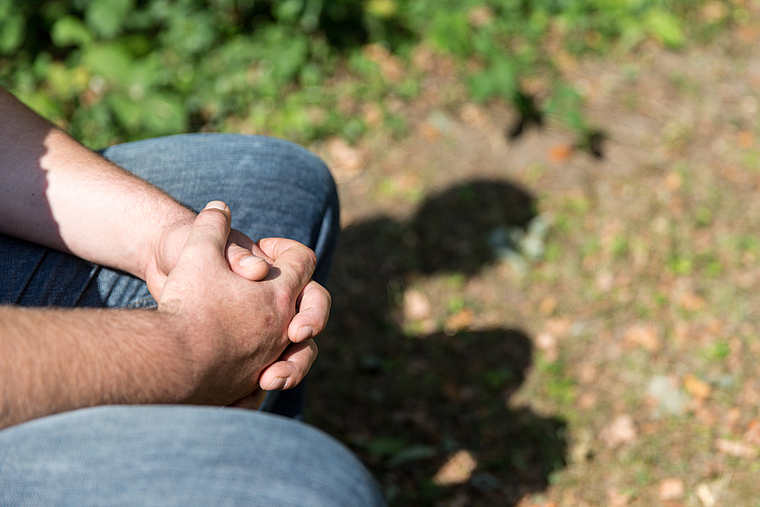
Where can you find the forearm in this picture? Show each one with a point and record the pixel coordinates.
(57, 360)
(56, 192)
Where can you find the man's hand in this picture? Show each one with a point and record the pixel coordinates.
(241, 335)
(243, 256)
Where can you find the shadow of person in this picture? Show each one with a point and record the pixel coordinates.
(411, 406)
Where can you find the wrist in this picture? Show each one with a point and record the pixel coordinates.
(162, 249)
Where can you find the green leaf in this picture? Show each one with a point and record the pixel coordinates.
(70, 31)
(107, 17)
(665, 27)
(498, 79)
(164, 114)
(411, 454)
(191, 33)
(127, 111)
(383, 9)
(288, 10)
(12, 28)
(451, 32)
(111, 61)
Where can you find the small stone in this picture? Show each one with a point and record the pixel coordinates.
(666, 394)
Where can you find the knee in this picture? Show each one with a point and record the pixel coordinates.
(289, 164)
(332, 475)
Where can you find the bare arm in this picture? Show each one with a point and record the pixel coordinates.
(57, 193)
(57, 360)
(197, 347)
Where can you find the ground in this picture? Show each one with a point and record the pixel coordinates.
(519, 321)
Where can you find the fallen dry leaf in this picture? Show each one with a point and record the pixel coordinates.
(345, 160)
(473, 115)
(705, 495)
(390, 65)
(620, 431)
(645, 336)
(416, 305)
(559, 326)
(696, 387)
(460, 320)
(752, 435)
(673, 181)
(736, 448)
(547, 305)
(616, 498)
(692, 302)
(561, 153)
(457, 470)
(372, 114)
(671, 489)
(547, 343)
(746, 139)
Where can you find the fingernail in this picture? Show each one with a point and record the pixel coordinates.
(277, 384)
(216, 205)
(304, 333)
(251, 259)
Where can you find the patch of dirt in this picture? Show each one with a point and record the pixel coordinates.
(617, 366)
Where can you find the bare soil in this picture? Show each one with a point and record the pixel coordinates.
(611, 360)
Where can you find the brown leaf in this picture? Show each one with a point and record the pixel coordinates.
(345, 160)
(696, 387)
(457, 470)
(671, 489)
(691, 302)
(645, 336)
(736, 448)
(620, 431)
(460, 320)
(416, 305)
(390, 65)
(561, 153)
(617, 499)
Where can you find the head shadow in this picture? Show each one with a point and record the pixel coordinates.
(406, 403)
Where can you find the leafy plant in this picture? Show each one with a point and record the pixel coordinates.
(129, 69)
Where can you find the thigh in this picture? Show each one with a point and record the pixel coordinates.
(175, 455)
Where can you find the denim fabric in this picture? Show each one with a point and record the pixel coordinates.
(177, 456)
(207, 456)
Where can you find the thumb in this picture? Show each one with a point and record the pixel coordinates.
(211, 228)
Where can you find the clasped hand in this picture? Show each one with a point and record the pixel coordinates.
(240, 336)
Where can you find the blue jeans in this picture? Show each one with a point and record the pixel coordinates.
(171, 455)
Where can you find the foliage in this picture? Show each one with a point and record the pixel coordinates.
(127, 69)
